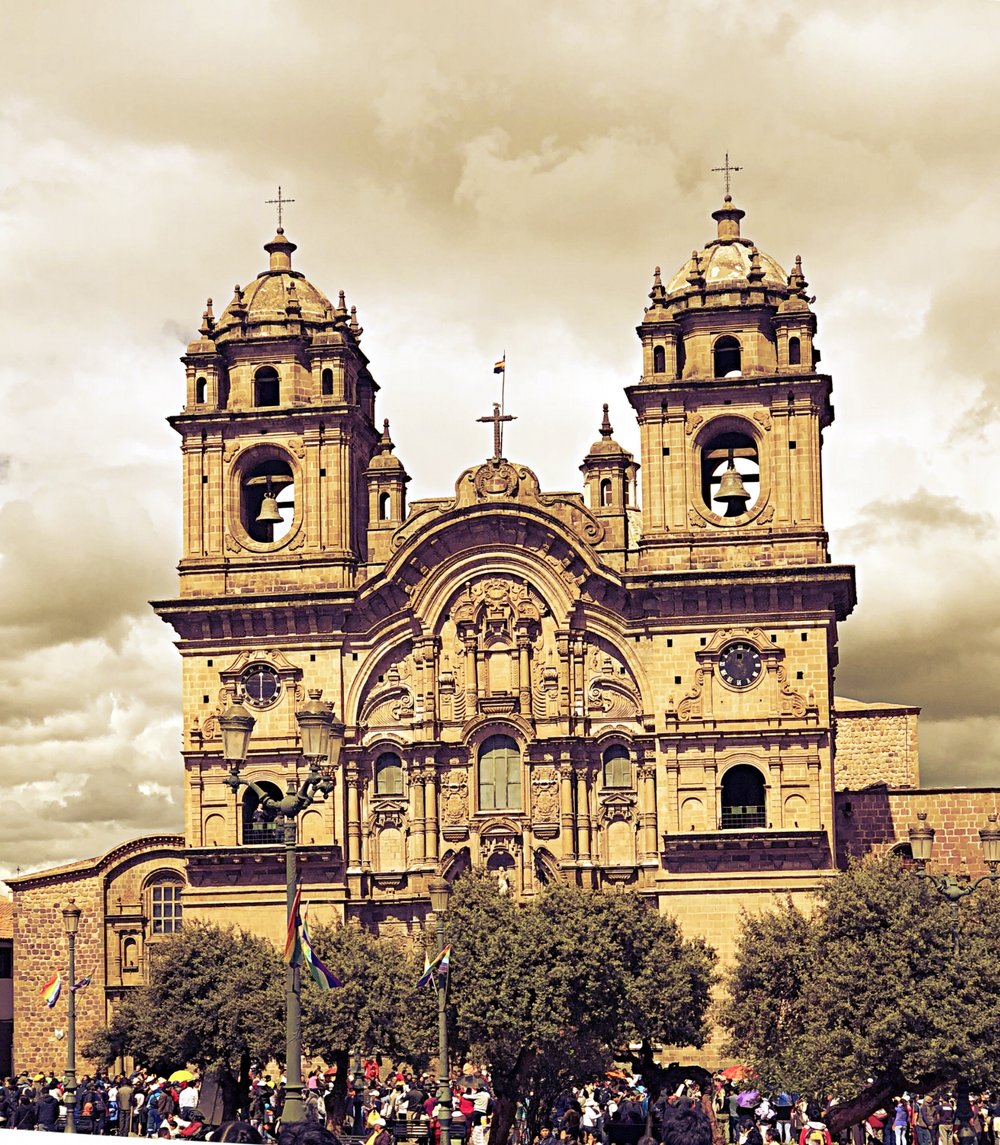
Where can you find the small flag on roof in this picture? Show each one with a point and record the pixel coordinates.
(499, 367)
(439, 965)
(52, 989)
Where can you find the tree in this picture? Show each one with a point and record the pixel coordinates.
(377, 1009)
(215, 998)
(867, 983)
(552, 987)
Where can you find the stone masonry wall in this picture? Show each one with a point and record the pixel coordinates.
(41, 948)
(876, 745)
(877, 818)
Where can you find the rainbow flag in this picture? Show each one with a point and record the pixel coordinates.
(499, 367)
(322, 975)
(52, 989)
(439, 965)
(293, 946)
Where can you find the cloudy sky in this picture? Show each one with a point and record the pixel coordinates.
(478, 178)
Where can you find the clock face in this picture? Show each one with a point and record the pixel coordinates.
(739, 664)
(261, 685)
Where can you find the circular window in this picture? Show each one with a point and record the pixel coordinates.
(260, 685)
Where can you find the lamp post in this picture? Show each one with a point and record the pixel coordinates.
(440, 892)
(322, 740)
(71, 923)
(948, 886)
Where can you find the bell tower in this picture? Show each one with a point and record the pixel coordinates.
(277, 433)
(731, 412)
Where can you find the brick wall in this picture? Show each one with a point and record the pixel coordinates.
(875, 744)
(877, 818)
(40, 946)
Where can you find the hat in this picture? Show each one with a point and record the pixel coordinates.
(379, 1121)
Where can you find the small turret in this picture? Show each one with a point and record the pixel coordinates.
(609, 473)
(387, 481)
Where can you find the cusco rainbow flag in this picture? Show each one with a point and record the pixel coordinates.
(52, 989)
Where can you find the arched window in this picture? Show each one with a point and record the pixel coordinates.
(606, 491)
(499, 775)
(267, 505)
(794, 352)
(266, 387)
(384, 506)
(164, 905)
(728, 357)
(388, 774)
(201, 391)
(743, 800)
(617, 767)
(328, 381)
(258, 831)
(659, 360)
(729, 496)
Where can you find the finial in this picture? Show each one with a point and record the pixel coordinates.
(341, 311)
(385, 441)
(797, 280)
(292, 304)
(355, 327)
(658, 295)
(207, 321)
(238, 306)
(606, 430)
(756, 272)
(695, 277)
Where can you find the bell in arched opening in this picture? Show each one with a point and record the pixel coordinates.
(732, 491)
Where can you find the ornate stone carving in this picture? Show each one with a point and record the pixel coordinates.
(611, 692)
(391, 702)
(791, 703)
(695, 519)
(495, 480)
(617, 805)
(763, 419)
(455, 797)
(690, 708)
(693, 422)
(544, 796)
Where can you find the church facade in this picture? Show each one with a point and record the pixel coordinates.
(606, 688)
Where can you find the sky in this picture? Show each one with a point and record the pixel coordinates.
(478, 179)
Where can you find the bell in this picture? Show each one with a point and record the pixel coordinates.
(732, 489)
(269, 514)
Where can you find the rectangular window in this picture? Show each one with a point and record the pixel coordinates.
(6, 960)
(499, 775)
(166, 908)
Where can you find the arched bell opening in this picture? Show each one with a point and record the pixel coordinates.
(730, 474)
(727, 357)
(266, 387)
(267, 500)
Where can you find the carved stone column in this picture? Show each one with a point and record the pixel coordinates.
(524, 676)
(431, 827)
(647, 812)
(582, 815)
(354, 782)
(471, 677)
(417, 824)
(566, 821)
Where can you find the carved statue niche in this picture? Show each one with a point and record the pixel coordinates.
(545, 801)
(612, 692)
(497, 622)
(455, 804)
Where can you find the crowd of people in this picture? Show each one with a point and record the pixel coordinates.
(381, 1109)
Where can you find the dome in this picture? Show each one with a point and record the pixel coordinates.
(728, 258)
(276, 297)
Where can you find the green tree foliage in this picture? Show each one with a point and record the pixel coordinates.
(215, 998)
(547, 988)
(377, 1010)
(868, 984)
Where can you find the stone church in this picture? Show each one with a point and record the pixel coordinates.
(627, 687)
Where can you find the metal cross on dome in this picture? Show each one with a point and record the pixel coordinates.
(281, 202)
(727, 169)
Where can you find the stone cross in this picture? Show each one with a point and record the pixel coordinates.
(498, 419)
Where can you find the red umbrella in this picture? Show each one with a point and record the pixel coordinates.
(737, 1073)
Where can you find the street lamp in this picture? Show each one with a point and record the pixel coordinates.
(948, 886)
(71, 923)
(440, 891)
(322, 741)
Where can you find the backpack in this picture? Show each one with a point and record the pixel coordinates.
(815, 1136)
